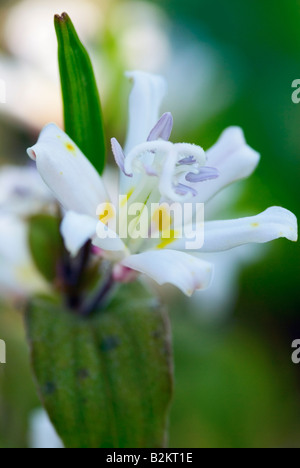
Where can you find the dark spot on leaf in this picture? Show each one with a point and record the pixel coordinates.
(83, 374)
(156, 334)
(49, 388)
(109, 343)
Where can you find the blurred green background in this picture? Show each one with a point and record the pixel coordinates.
(227, 63)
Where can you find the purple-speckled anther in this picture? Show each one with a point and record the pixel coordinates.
(205, 173)
(162, 129)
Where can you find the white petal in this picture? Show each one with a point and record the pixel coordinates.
(234, 160)
(185, 272)
(67, 172)
(76, 230)
(109, 240)
(219, 236)
(144, 105)
(272, 224)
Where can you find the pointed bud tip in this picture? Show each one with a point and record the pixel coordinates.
(61, 18)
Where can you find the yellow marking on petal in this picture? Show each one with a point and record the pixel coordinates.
(70, 147)
(168, 240)
(61, 173)
(107, 213)
(126, 197)
(255, 225)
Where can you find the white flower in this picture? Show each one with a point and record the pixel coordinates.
(22, 194)
(19, 277)
(153, 170)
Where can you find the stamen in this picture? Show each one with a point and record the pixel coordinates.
(186, 150)
(205, 173)
(182, 189)
(162, 129)
(119, 155)
(187, 161)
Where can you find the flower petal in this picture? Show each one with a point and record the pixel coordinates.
(234, 160)
(108, 240)
(145, 101)
(76, 230)
(67, 172)
(219, 236)
(184, 271)
(272, 224)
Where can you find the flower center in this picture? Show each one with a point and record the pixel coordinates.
(173, 165)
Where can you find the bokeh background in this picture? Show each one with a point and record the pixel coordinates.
(227, 63)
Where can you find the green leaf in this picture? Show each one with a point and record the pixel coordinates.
(45, 244)
(105, 381)
(82, 109)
